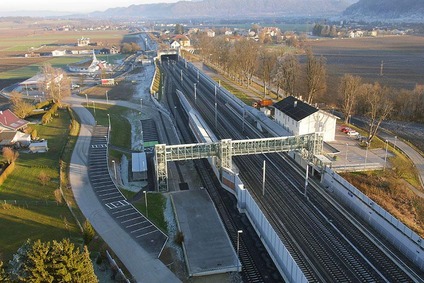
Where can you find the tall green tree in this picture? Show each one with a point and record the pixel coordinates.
(4, 277)
(179, 29)
(57, 262)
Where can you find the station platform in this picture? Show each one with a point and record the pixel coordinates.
(207, 247)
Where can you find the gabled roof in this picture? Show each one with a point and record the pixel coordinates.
(10, 121)
(295, 108)
(181, 37)
(6, 137)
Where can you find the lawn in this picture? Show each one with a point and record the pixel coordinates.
(120, 126)
(155, 205)
(36, 213)
(31, 70)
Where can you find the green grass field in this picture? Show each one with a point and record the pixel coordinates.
(155, 206)
(120, 126)
(31, 70)
(35, 214)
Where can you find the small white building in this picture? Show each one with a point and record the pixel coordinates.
(38, 146)
(175, 44)
(139, 166)
(300, 118)
(57, 53)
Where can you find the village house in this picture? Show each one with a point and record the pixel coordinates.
(183, 40)
(83, 41)
(300, 118)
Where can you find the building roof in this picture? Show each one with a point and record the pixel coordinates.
(10, 121)
(139, 162)
(295, 108)
(181, 37)
(6, 137)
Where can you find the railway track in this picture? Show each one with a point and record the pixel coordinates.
(323, 241)
(249, 263)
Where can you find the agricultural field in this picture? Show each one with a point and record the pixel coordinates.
(402, 58)
(18, 38)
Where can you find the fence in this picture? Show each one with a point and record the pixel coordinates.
(112, 262)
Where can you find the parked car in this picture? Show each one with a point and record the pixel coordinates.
(352, 133)
(345, 129)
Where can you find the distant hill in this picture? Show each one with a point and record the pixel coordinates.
(229, 8)
(387, 10)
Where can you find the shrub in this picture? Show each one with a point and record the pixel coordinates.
(44, 178)
(179, 238)
(89, 232)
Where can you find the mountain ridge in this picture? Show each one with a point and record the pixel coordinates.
(226, 8)
(386, 10)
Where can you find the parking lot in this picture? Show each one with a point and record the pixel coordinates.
(150, 238)
(352, 157)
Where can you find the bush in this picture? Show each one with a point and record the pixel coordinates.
(179, 238)
(43, 104)
(43, 178)
(89, 232)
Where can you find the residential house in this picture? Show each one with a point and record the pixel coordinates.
(83, 41)
(210, 33)
(183, 40)
(175, 45)
(58, 53)
(300, 118)
(9, 121)
(14, 138)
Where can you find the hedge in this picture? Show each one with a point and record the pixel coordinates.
(7, 172)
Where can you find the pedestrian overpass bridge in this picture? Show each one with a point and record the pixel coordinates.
(310, 145)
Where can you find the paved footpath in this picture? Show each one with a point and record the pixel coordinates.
(139, 263)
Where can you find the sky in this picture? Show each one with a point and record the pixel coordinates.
(71, 5)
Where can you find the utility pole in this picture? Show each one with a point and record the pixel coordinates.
(381, 68)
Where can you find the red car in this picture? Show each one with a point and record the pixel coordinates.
(345, 129)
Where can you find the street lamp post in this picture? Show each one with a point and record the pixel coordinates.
(395, 142)
(347, 149)
(107, 98)
(197, 74)
(94, 108)
(109, 127)
(86, 98)
(145, 201)
(306, 177)
(238, 248)
(141, 103)
(385, 156)
(195, 93)
(366, 154)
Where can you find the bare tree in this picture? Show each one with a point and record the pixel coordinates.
(56, 84)
(19, 106)
(247, 52)
(379, 106)
(10, 154)
(266, 63)
(316, 76)
(349, 90)
(285, 73)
